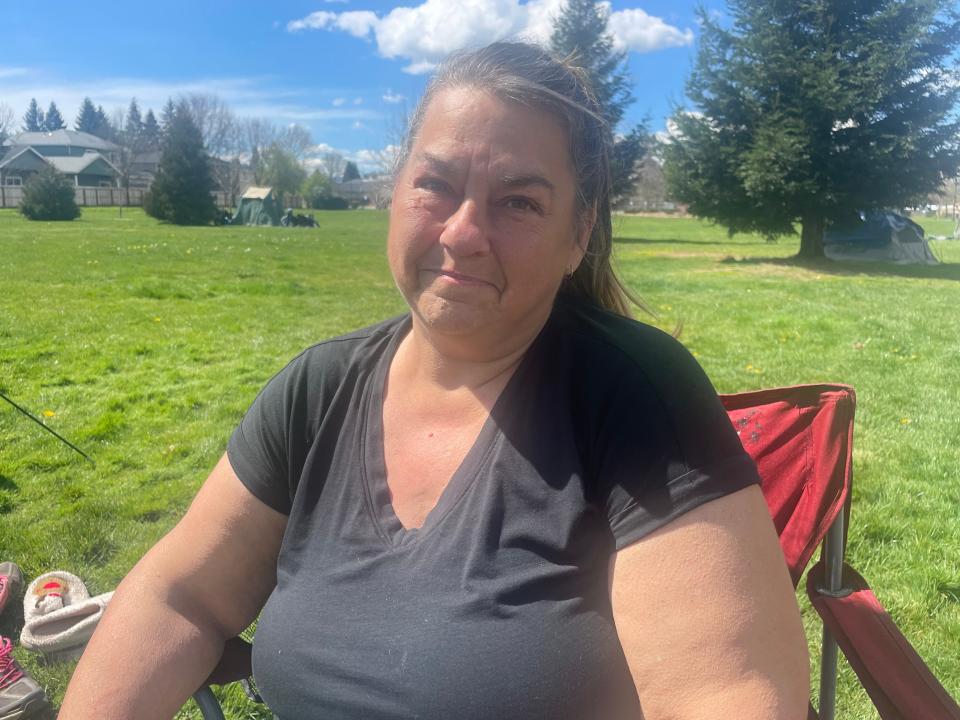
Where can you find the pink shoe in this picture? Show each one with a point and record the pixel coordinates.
(20, 695)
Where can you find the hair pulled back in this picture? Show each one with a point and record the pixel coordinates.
(528, 75)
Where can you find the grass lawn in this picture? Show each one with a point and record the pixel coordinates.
(144, 343)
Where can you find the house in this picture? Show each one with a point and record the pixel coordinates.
(87, 160)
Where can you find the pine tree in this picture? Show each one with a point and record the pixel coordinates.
(151, 132)
(133, 126)
(53, 120)
(181, 190)
(167, 115)
(350, 171)
(33, 120)
(87, 120)
(104, 128)
(810, 110)
(49, 195)
(580, 33)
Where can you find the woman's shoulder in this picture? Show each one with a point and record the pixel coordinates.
(622, 344)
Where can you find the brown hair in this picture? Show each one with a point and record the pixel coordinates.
(527, 74)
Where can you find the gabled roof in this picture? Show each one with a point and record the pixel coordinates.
(17, 152)
(63, 137)
(76, 165)
(257, 193)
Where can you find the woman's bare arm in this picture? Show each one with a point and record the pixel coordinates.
(708, 618)
(165, 627)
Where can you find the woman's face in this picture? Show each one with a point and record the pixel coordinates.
(482, 223)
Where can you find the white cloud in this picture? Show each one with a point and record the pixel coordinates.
(358, 101)
(338, 102)
(367, 160)
(314, 21)
(358, 23)
(634, 30)
(248, 96)
(393, 98)
(357, 125)
(9, 72)
(422, 35)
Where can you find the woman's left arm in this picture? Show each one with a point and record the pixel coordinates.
(708, 619)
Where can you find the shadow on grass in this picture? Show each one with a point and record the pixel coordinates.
(944, 271)
(679, 241)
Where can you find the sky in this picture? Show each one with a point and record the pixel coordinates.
(346, 69)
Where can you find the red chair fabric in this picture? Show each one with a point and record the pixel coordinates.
(900, 685)
(801, 439)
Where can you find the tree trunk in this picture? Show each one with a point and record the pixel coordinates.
(811, 237)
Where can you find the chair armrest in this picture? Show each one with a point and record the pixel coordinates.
(899, 683)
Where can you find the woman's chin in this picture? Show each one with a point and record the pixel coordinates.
(454, 317)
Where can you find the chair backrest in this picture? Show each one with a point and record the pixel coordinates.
(801, 438)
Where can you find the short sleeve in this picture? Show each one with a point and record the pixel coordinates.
(261, 446)
(666, 444)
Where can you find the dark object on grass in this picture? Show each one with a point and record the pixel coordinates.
(48, 429)
(292, 219)
(258, 206)
(878, 235)
(49, 195)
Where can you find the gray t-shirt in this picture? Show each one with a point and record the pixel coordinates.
(498, 606)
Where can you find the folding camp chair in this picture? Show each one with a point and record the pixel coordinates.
(801, 439)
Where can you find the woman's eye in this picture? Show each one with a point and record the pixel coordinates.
(521, 203)
(432, 185)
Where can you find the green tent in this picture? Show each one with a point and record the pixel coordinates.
(258, 206)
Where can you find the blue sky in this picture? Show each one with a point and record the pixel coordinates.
(343, 68)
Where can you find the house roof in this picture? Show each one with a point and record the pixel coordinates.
(76, 165)
(62, 137)
(16, 153)
(257, 193)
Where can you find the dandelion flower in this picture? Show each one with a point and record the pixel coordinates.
(904, 421)
(49, 413)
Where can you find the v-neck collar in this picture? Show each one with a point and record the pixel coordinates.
(373, 461)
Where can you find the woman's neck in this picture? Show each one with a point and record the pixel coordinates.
(444, 364)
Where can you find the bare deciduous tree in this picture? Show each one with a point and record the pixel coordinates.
(296, 140)
(217, 123)
(6, 121)
(332, 165)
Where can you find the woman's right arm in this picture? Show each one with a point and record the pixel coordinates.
(164, 629)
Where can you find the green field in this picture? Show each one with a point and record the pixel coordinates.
(144, 343)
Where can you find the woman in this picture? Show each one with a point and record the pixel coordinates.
(514, 502)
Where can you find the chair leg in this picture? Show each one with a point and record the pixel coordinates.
(207, 702)
(833, 552)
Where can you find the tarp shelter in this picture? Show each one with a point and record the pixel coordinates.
(258, 206)
(879, 235)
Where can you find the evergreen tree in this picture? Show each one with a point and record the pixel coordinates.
(53, 120)
(49, 195)
(33, 119)
(105, 128)
(181, 190)
(167, 115)
(580, 33)
(87, 120)
(151, 132)
(350, 171)
(133, 126)
(810, 110)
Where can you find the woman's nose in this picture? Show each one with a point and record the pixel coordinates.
(465, 232)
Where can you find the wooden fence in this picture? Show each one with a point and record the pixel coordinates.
(133, 197)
